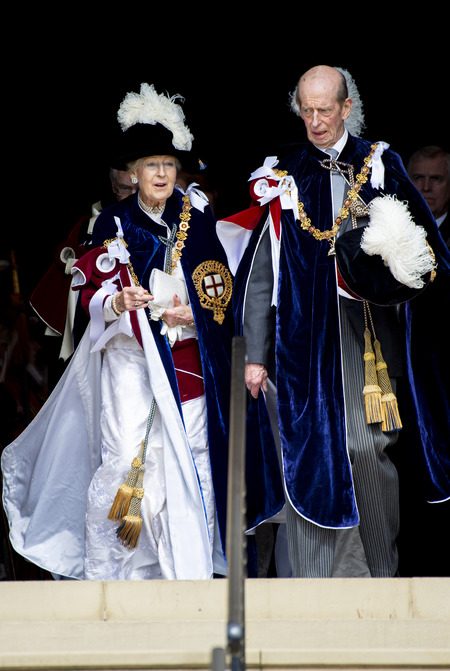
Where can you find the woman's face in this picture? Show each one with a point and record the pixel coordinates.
(156, 177)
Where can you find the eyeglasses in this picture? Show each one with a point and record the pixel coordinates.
(157, 165)
(124, 189)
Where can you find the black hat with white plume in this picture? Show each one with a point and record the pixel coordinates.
(153, 124)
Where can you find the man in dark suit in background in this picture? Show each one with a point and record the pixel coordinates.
(429, 170)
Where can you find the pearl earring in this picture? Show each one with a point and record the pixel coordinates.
(134, 180)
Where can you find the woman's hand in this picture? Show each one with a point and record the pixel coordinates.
(255, 378)
(132, 298)
(179, 315)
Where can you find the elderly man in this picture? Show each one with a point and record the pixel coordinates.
(429, 170)
(309, 325)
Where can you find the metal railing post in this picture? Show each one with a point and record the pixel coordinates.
(236, 516)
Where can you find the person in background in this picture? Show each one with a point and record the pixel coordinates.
(429, 170)
(53, 301)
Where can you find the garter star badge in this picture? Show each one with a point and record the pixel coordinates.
(214, 287)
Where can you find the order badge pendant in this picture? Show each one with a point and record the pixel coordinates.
(214, 287)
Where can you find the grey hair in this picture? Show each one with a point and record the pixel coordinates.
(355, 123)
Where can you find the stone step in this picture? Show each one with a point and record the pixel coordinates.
(289, 624)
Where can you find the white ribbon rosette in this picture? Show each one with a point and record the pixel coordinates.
(286, 190)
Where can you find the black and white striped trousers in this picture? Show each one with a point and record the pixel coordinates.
(313, 550)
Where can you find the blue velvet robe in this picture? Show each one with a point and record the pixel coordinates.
(311, 410)
(148, 252)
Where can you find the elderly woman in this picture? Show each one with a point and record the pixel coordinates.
(141, 490)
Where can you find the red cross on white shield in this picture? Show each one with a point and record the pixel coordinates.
(214, 285)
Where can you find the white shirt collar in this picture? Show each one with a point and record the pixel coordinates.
(340, 144)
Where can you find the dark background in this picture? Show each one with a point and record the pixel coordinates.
(68, 74)
(66, 70)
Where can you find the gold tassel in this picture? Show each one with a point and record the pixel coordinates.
(127, 504)
(371, 391)
(129, 531)
(391, 416)
(124, 494)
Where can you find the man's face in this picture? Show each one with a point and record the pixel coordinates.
(431, 178)
(323, 115)
(122, 185)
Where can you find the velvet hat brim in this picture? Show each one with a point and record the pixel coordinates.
(142, 140)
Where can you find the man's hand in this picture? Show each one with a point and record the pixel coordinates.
(255, 378)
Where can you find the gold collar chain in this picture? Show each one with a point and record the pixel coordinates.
(352, 195)
(185, 216)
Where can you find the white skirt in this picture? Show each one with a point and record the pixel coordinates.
(126, 401)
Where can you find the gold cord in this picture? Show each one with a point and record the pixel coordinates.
(352, 196)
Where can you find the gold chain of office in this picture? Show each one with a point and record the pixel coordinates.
(185, 216)
(352, 195)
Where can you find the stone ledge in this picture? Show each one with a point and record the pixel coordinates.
(290, 624)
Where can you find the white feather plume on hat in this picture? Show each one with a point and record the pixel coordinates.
(149, 107)
(393, 235)
(355, 123)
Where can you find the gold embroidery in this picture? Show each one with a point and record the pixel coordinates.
(352, 195)
(185, 217)
(214, 287)
(134, 277)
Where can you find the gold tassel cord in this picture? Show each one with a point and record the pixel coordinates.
(380, 401)
(372, 390)
(389, 405)
(129, 531)
(127, 503)
(122, 500)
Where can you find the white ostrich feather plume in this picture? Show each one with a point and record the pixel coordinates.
(402, 244)
(355, 123)
(148, 106)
